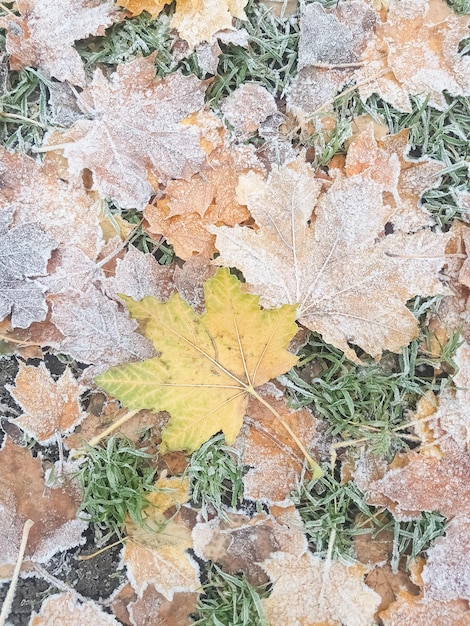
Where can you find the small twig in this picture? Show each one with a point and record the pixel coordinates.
(7, 10)
(86, 557)
(6, 608)
(51, 148)
(23, 343)
(121, 246)
(93, 442)
(333, 66)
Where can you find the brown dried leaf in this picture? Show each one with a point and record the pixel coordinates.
(308, 591)
(25, 252)
(64, 609)
(418, 42)
(156, 555)
(44, 34)
(24, 495)
(268, 449)
(49, 406)
(153, 609)
(386, 162)
(336, 266)
(422, 483)
(446, 575)
(38, 191)
(188, 207)
(409, 610)
(247, 107)
(134, 136)
(389, 584)
(96, 330)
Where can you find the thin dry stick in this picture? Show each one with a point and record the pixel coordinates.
(7, 10)
(6, 608)
(87, 557)
(23, 343)
(333, 66)
(122, 420)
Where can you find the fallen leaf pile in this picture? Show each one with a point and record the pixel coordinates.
(167, 247)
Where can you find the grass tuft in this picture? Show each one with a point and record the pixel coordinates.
(230, 601)
(215, 472)
(115, 480)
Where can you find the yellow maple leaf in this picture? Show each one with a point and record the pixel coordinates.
(210, 364)
(195, 20)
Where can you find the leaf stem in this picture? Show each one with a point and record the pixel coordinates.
(317, 471)
(122, 420)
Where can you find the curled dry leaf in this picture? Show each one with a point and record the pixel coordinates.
(25, 252)
(183, 214)
(49, 406)
(134, 137)
(446, 575)
(46, 30)
(38, 192)
(64, 609)
(24, 495)
(196, 21)
(274, 459)
(409, 610)
(330, 254)
(418, 42)
(211, 362)
(310, 591)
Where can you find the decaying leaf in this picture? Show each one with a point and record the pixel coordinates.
(44, 34)
(211, 362)
(274, 459)
(247, 107)
(153, 609)
(446, 575)
(196, 20)
(64, 609)
(330, 254)
(49, 406)
(155, 553)
(25, 252)
(209, 197)
(24, 495)
(37, 192)
(134, 137)
(386, 162)
(421, 482)
(96, 330)
(418, 43)
(409, 610)
(308, 591)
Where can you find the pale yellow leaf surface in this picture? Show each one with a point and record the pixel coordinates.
(49, 406)
(329, 253)
(44, 34)
(65, 610)
(209, 365)
(134, 137)
(308, 591)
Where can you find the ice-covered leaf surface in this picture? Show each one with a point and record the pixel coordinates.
(45, 32)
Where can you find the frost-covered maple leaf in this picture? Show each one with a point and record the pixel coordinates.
(329, 254)
(195, 20)
(46, 30)
(134, 137)
(25, 252)
(64, 609)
